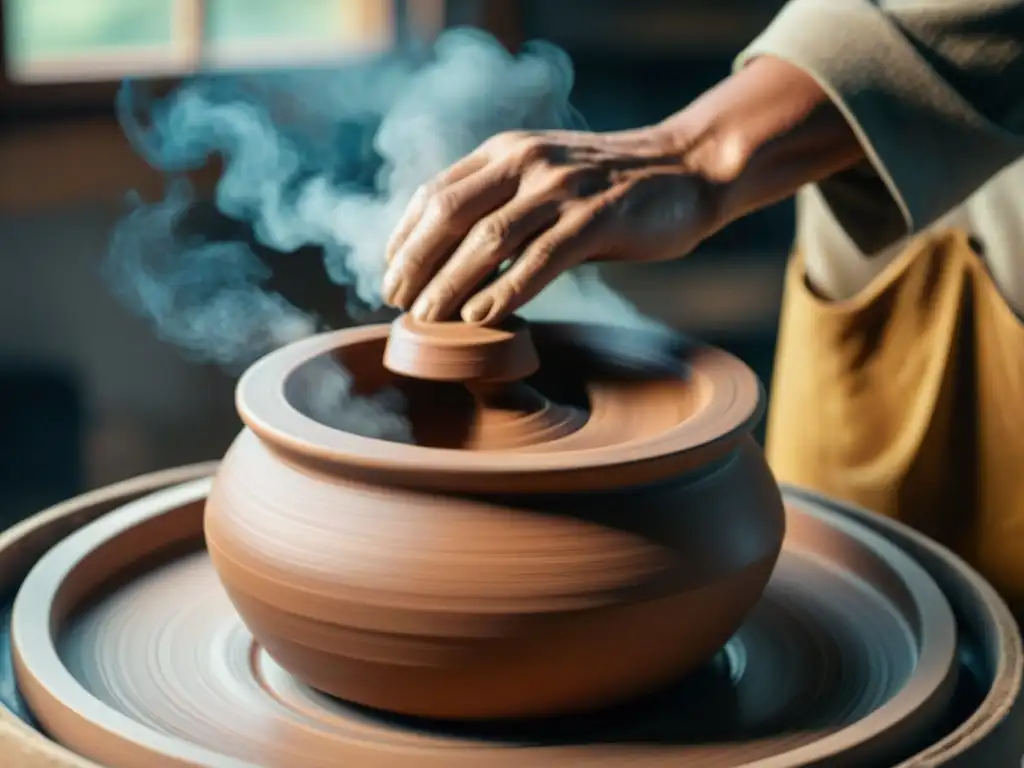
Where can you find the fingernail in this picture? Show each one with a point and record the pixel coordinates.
(402, 298)
(423, 309)
(391, 287)
(478, 309)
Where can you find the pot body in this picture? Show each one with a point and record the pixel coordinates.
(495, 606)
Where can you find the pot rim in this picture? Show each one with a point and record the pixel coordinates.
(735, 404)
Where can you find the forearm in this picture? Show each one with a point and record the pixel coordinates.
(760, 135)
(933, 90)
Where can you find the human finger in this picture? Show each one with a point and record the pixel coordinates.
(447, 218)
(491, 241)
(418, 203)
(570, 242)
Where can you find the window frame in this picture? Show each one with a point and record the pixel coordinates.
(52, 98)
(44, 129)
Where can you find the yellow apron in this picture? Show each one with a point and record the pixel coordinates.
(909, 400)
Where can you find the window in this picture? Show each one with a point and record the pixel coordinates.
(63, 41)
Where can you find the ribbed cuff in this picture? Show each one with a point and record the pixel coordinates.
(928, 146)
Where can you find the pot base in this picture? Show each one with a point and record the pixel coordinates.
(848, 655)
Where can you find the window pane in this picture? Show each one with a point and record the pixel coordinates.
(240, 21)
(41, 29)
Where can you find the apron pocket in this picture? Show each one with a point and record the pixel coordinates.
(863, 389)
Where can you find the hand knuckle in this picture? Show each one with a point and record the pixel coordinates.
(492, 233)
(532, 150)
(508, 290)
(442, 294)
(409, 263)
(506, 139)
(560, 182)
(516, 288)
(442, 206)
(534, 261)
(563, 178)
(498, 144)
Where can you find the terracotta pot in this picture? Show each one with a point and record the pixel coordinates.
(611, 527)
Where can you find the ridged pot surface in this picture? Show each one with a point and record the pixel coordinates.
(544, 587)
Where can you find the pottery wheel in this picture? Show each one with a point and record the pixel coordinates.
(128, 651)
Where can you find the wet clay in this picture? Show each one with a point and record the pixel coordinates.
(129, 651)
(616, 545)
(490, 362)
(461, 352)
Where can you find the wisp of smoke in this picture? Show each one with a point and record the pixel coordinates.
(323, 159)
(202, 296)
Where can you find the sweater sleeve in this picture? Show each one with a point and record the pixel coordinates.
(934, 90)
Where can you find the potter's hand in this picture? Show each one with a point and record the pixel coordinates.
(542, 203)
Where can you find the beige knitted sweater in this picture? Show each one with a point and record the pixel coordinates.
(935, 90)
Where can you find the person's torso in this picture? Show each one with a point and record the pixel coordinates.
(900, 389)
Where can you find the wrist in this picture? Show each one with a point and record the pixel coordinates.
(760, 135)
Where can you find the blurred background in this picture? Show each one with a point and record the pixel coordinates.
(88, 393)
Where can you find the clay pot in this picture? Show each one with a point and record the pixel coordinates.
(526, 549)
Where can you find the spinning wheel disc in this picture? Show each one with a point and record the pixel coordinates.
(850, 651)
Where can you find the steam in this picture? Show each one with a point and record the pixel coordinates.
(205, 297)
(322, 159)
